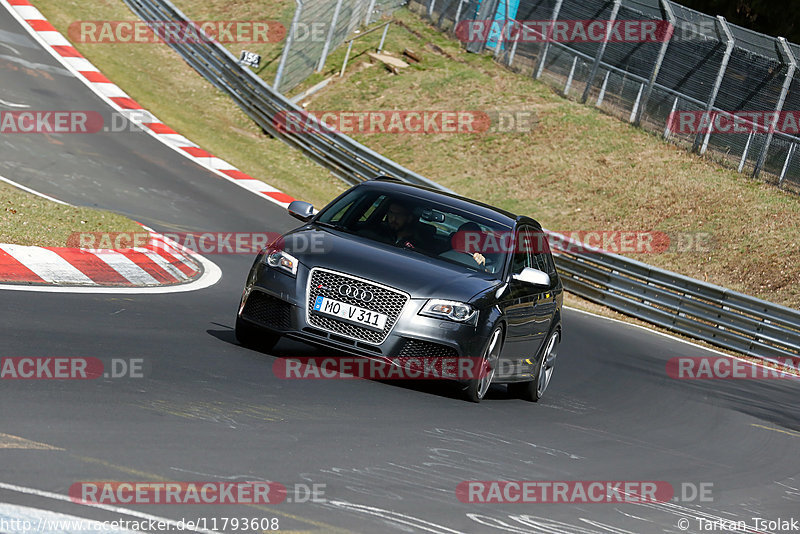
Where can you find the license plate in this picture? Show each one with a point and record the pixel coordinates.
(350, 313)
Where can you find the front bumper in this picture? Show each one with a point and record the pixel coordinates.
(278, 302)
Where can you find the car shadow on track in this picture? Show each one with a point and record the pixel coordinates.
(287, 349)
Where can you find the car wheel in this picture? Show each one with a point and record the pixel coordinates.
(534, 389)
(253, 337)
(477, 387)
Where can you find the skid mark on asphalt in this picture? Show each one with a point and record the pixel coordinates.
(460, 455)
(7, 441)
(234, 415)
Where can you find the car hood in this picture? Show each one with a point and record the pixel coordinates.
(409, 271)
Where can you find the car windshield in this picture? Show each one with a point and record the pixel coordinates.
(416, 224)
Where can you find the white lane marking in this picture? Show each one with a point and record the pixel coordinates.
(107, 507)
(211, 272)
(395, 517)
(32, 191)
(126, 268)
(8, 441)
(47, 265)
(30, 520)
(12, 104)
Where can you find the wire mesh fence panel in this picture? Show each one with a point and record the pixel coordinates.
(319, 26)
(696, 79)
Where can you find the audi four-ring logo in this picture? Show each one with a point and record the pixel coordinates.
(356, 293)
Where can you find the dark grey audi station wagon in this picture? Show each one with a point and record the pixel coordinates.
(399, 273)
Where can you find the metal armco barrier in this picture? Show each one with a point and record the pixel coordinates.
(703, 311)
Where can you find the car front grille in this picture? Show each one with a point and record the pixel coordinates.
(415, 348)
(267, 310)
(390, 302)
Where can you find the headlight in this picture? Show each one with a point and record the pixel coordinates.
(279, 259)
(448, 309)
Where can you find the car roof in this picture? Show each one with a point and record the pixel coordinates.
(462, 203)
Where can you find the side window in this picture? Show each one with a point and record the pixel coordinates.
(522, 255)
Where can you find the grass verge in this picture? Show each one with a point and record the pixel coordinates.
(27, 219)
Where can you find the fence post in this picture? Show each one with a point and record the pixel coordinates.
(514, 46)
(729, 42)
(543, 56)
(746, 150)
(287, 47)
(431, 3)
(500, 40)
(485, 14)
(383, 38)
(786, 163)
(458, 14)
(599, 57)
(331, 31)
(762, 157)
(602, 94)
(670, 119)
(662, 52)
(369, 12)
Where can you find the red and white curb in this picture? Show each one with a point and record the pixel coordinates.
(161, 266)
(44, 32)
(158, 263)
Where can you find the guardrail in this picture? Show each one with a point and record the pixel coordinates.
(704, 311)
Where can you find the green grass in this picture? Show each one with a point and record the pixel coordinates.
(579, 169)
(27, 219)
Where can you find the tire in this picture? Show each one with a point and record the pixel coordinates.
(533, 390)
(476, 388)
(251, 336)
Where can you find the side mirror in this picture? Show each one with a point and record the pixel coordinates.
(533, 276)
(301, 210)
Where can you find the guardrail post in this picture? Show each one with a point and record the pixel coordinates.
(599, 57)
(331, 31)
(287, 47)
(729, 43)
(662, 52)
(787, 82)
(543, 56)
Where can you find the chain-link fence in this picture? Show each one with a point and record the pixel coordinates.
(701, 81)
(318, 27)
